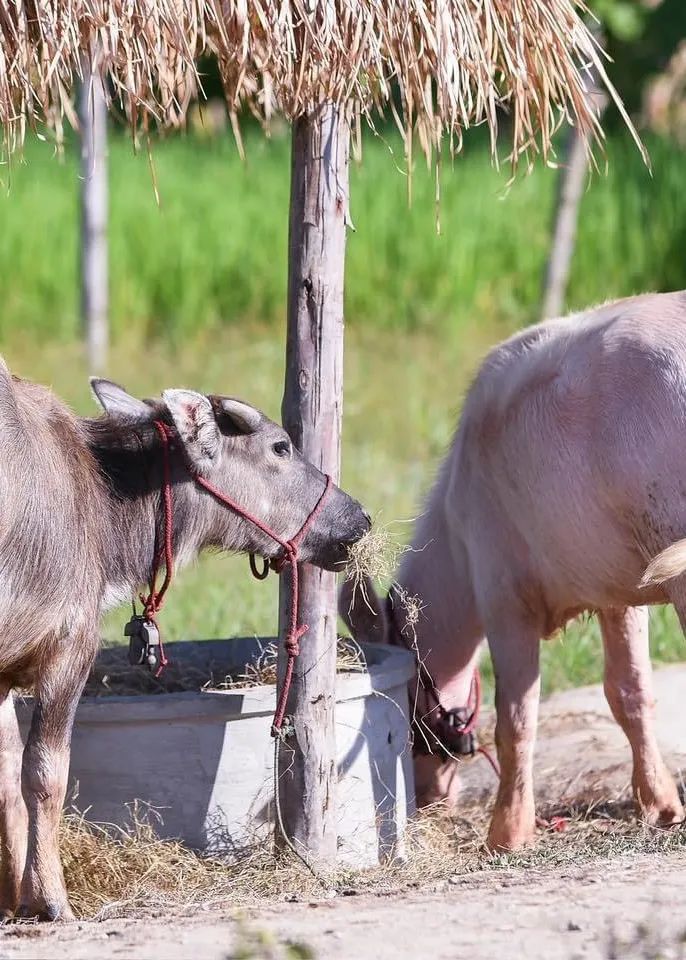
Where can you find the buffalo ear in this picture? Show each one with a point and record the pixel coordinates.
(196, 425)
(245, 419)
(362, 611)
(116, 402)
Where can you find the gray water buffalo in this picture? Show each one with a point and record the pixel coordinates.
(81, 522)
(566, 475)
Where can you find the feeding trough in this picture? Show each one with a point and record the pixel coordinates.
(204, 758)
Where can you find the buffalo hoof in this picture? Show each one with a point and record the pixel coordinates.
(671, 815)
(506, 838)
(658, 801)
(47, 912)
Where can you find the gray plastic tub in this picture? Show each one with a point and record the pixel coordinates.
(204, 760)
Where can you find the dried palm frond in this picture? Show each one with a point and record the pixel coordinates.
(454, 63)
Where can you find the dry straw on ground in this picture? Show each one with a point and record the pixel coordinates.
(454, 62)
(132, 873)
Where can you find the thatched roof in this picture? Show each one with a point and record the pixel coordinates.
(453, 62)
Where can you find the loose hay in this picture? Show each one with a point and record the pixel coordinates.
(113, 872)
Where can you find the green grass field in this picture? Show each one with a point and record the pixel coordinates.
(197, 289)
(214, 253)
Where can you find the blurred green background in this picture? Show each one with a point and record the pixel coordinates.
(197, 291)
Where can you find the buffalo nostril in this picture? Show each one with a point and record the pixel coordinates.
(367, 518)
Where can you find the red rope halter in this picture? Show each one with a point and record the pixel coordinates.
(290, 547)
(153, 602)
(444, 733)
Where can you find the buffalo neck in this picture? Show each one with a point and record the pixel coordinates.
(129, 461)
(434, 575)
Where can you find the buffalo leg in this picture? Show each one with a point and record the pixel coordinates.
(44, 782)
(13, 815)
(629, 692)
(515, 652)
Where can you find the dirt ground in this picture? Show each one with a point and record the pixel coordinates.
(627, 906)
(626, 909)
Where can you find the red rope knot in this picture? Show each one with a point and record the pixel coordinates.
(292, 642)
(151, 604)
(290, 556)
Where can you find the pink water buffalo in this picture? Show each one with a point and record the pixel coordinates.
(567, 474)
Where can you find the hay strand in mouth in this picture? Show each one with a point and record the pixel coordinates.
(375, 556)
(448, 65)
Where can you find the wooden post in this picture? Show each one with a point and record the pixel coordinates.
(311, 412)
(570, 188)
(93, 122)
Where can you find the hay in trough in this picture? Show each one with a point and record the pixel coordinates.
(454, 63)
(125, 680)
(349, 659)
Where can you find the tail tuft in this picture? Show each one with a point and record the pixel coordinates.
(666, 565)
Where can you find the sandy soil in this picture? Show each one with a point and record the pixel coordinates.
(581, 913)
(631, 906)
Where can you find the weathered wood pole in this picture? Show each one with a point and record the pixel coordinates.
(570, 188)
(92, 111)
(311, 411)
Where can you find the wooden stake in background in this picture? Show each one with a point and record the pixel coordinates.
(570, 189)
(94, 302)
(311, 411)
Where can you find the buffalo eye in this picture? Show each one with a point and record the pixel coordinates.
(282, 448)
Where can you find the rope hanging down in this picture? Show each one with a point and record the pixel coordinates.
(295, 631)
(153, 602)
